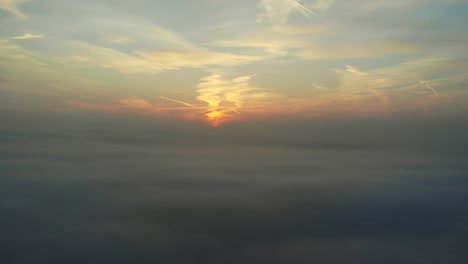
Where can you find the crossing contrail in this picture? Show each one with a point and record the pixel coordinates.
(429, 87)
(234, 110)
(177, 101)
(303, 7)
(191, 105)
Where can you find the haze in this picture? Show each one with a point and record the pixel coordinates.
(215, 131)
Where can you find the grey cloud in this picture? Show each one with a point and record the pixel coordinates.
(75, 192)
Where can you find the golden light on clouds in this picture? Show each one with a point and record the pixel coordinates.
(225, 98)
(222, 100)
(215, 118)
(285, 58)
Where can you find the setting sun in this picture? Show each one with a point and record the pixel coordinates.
(215, 118)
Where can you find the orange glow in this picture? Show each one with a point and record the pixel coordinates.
(215, 118)
(219, 116)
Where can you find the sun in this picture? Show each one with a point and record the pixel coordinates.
(215, 118)
(215, 115)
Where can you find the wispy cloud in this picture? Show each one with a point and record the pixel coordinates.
(194, 59)
(364, 50)
(429, 87)
(306, 11)
(12, 7)
(29, 36)
(120, 40)
(103, 57)
(323, 4)
(272, 46)
(130, 61)
(178, 101)
(225, 98)
(153, 61)
(101, 52)
(278, 11)
(30, 71)
(6, 44)
(138, 105)
(360, 92)
(390, 89)
(131, 31)
(129, 104)
(136, 102)
(303, 29)
(220, 100)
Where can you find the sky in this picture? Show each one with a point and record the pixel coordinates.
(248, 131)
(224, 61)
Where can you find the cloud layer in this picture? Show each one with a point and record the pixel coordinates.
(137, 191)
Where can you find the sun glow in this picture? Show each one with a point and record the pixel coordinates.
(215, 118)
(214, 115)
(219, 116)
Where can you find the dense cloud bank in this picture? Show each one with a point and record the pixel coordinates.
(110, 193)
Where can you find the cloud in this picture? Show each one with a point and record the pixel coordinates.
(226, 99)
(6, 44)
(323, 4)
(130, 184)
(384, 90)
(360, 92)
(28, 36)
(12, 7)
(29, 72)
(148, 62)
(278, 11)
(138, 33)
(429, 87)
(136, 102)
(291, 29)
(364, 50)
(100, 42)
(165, 107)
(178, 101)
(272, 46)
(222, 100)
(132, 103)
(195, 59)
(125, 105)
(363, 6)
(369, 5)
(98, 56)
(121, 40)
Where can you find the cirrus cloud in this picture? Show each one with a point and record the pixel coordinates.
(12, 7)
(28, 36)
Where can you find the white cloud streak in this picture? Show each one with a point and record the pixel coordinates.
(304, 8)
(278, 11)
(178, 101)
(28, 36)
(195, 59)
(429, 87)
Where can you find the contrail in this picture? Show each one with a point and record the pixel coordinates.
(429, 87)
(191, 105)
(303, 7)
(175, 108)
(177, 101)
(234, 110)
